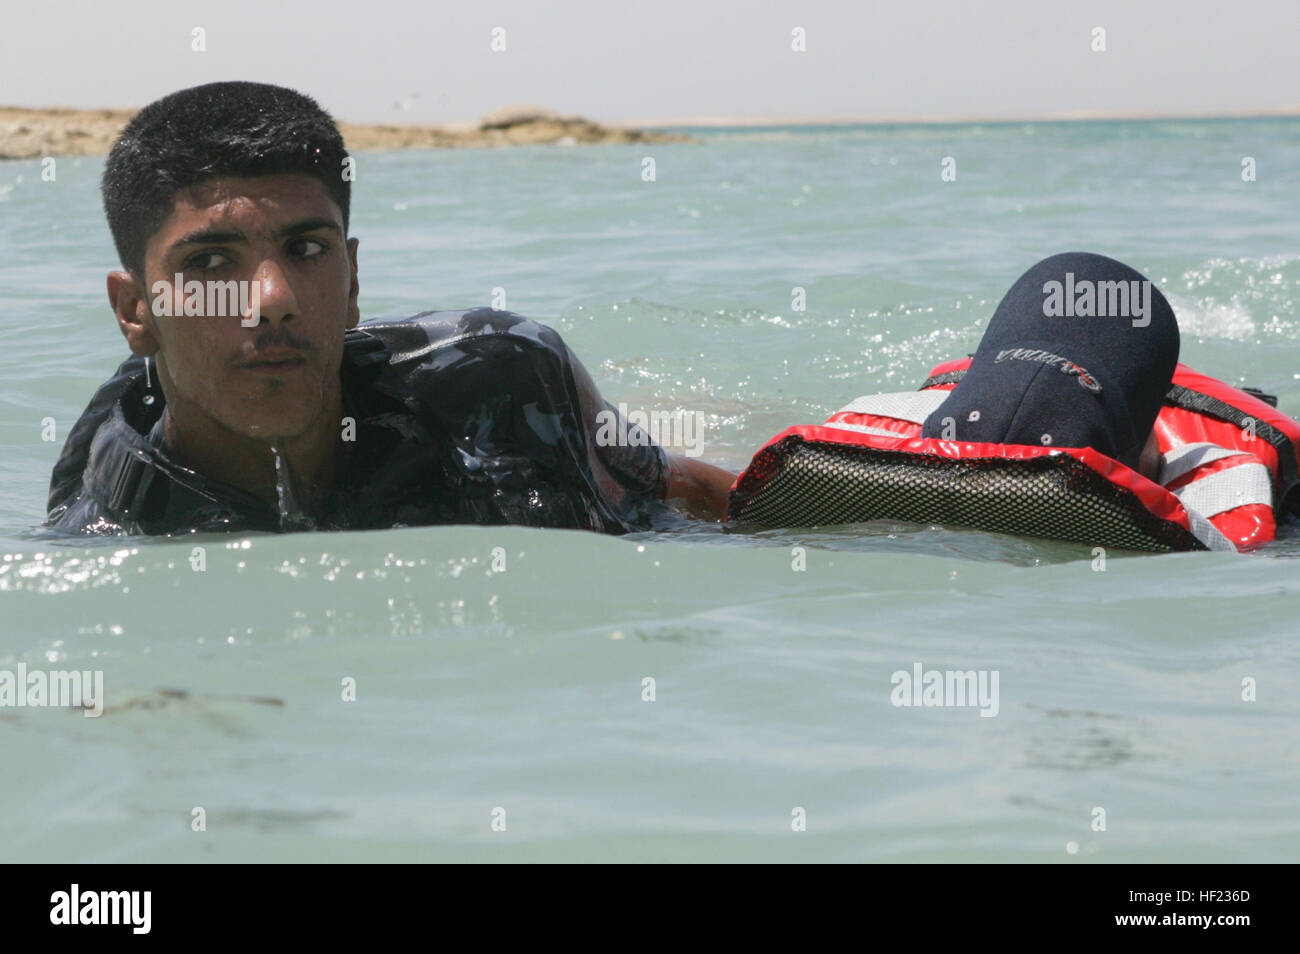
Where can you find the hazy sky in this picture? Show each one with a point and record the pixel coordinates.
(614, 60)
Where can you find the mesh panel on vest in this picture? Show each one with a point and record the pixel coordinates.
(798, 483)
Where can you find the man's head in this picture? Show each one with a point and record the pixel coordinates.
(245, 183)
(1079, 353)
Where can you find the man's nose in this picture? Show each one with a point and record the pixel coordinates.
(271, 296)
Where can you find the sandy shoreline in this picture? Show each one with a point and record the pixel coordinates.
(27, 133)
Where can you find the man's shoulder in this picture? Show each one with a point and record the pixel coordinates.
(462, 359)
(438, 329)
(462, 356)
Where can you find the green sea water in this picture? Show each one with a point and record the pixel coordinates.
(500, 673)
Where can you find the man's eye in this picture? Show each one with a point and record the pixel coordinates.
(307, 248)
(205, 261)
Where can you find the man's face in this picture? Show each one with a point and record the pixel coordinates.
(283, 236)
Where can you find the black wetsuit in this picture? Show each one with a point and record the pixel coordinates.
(478, 417)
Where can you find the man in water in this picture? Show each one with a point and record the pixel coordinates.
(1082, 352)
(278, 410)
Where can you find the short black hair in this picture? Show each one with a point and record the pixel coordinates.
(218, 129)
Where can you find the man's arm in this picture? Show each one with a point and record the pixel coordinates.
(699, 487)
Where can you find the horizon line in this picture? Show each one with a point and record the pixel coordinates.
(740, 122)
(1079, 115)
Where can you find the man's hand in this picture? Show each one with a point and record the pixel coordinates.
(701, 488)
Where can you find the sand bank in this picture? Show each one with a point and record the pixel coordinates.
(28, 133)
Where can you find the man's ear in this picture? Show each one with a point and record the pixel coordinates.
(126, 296)
(354, 313)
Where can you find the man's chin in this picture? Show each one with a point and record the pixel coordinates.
(278, 431)
(283, 417)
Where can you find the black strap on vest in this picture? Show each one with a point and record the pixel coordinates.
(951, 377)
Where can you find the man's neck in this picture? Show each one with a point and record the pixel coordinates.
(309, 461)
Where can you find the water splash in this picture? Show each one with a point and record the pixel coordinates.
(292, 516)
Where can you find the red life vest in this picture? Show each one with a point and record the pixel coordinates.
(1229, 465)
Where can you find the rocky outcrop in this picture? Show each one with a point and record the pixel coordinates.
(31, 133)
(28, 133)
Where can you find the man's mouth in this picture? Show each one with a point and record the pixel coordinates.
(277, 364)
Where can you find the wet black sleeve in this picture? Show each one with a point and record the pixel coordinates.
(631, 457)
(530, 431)
(66, 479)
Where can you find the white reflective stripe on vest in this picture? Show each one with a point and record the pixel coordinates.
(914, 406)
(1228, 489)
(1208, 533)
(865, 429)
(1182, 460)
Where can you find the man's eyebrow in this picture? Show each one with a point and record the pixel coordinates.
(210, 236)
(308, 225)
(218, 236)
